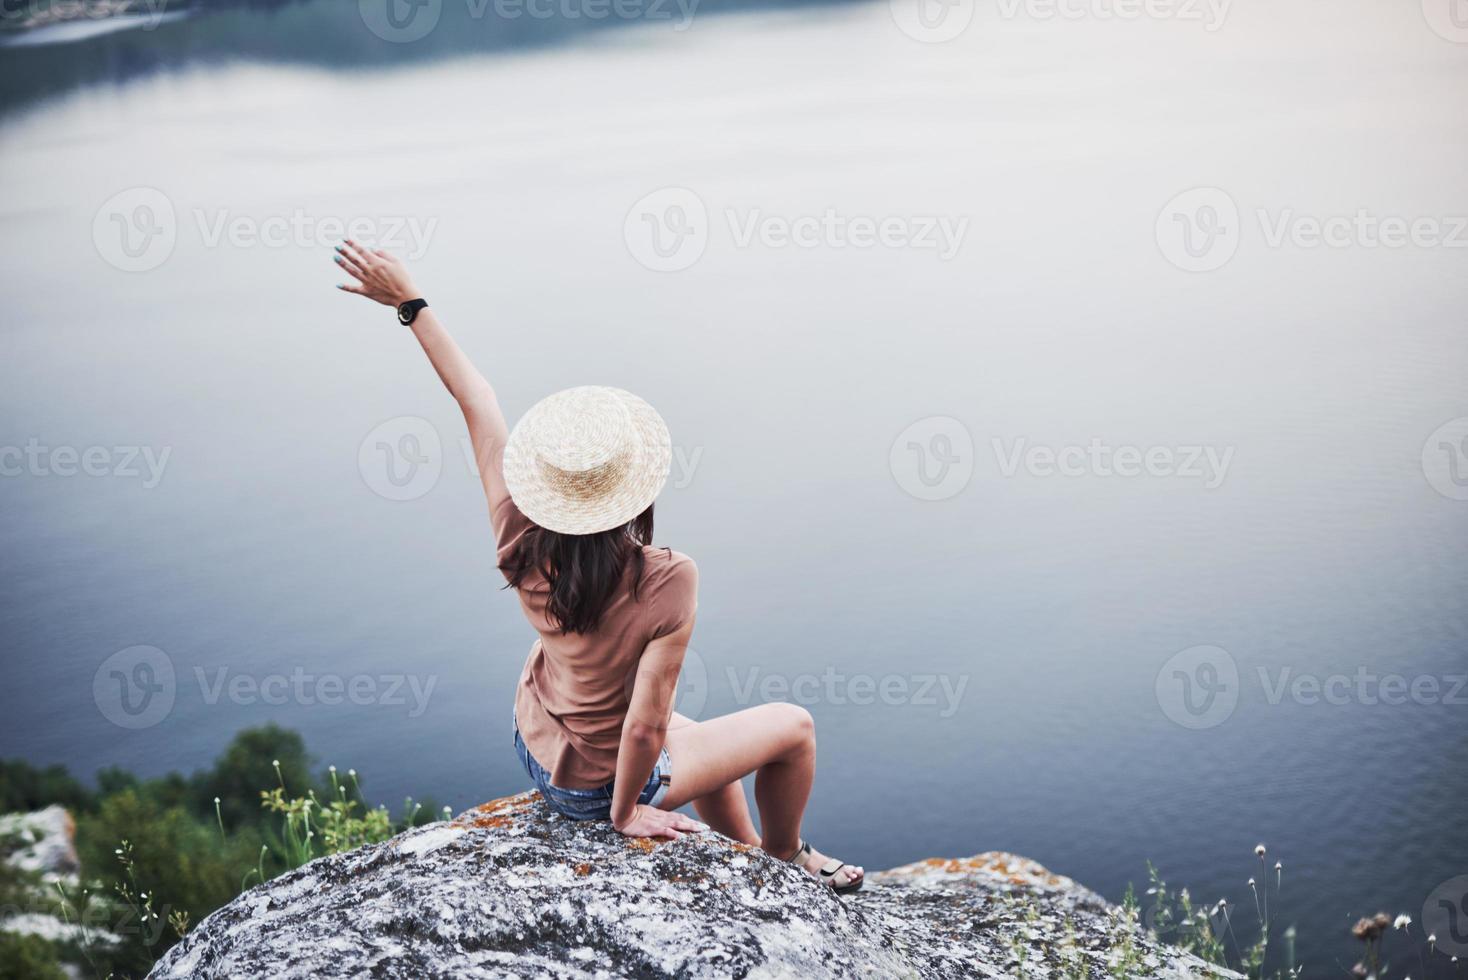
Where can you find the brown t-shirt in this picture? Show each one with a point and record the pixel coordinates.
(575, 689)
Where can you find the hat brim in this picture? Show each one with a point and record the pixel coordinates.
(645, 475)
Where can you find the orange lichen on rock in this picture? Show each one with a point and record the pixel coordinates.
(583, 869)
(490, 823)
(643, 844)
(498, 813)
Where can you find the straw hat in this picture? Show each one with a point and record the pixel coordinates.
(587, 459)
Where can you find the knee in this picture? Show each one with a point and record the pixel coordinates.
(797, 723)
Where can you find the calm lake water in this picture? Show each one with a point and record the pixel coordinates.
(1009, 666)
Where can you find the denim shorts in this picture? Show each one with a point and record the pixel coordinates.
(591, 804)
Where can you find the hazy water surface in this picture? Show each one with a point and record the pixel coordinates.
(1019, 624)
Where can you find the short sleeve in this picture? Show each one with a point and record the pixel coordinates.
(674, 598)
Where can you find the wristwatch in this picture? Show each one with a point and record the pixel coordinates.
(408, 312)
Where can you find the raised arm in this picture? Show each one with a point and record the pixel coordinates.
(383, 278)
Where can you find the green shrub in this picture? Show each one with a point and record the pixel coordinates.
(24, 787)
(28, 958)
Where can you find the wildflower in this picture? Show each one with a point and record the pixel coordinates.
(1251, 882)
(1367, 929)
(1359, 970)
(1402, 922)
(275, 763)
(216, 801)
(1259, 850)
(1432, 938)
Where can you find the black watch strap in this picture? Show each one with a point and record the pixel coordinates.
(408, 312)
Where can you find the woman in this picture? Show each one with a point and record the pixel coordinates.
(570, 500)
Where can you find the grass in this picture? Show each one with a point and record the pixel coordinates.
(157, 856)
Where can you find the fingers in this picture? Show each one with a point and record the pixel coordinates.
(348, 288)
(684, 822)
(669, 833)
(357, 252)
(355, 271)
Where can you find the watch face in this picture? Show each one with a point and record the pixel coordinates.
(403, 315)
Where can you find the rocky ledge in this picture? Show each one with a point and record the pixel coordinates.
(509, 889)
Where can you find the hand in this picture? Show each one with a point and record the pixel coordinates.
(649, 821)
(380, 277)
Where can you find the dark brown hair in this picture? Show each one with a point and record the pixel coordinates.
(582, 570)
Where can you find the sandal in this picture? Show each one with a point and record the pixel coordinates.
(829, 872)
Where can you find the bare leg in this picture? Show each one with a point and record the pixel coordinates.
(725, 809)
(776, 741)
